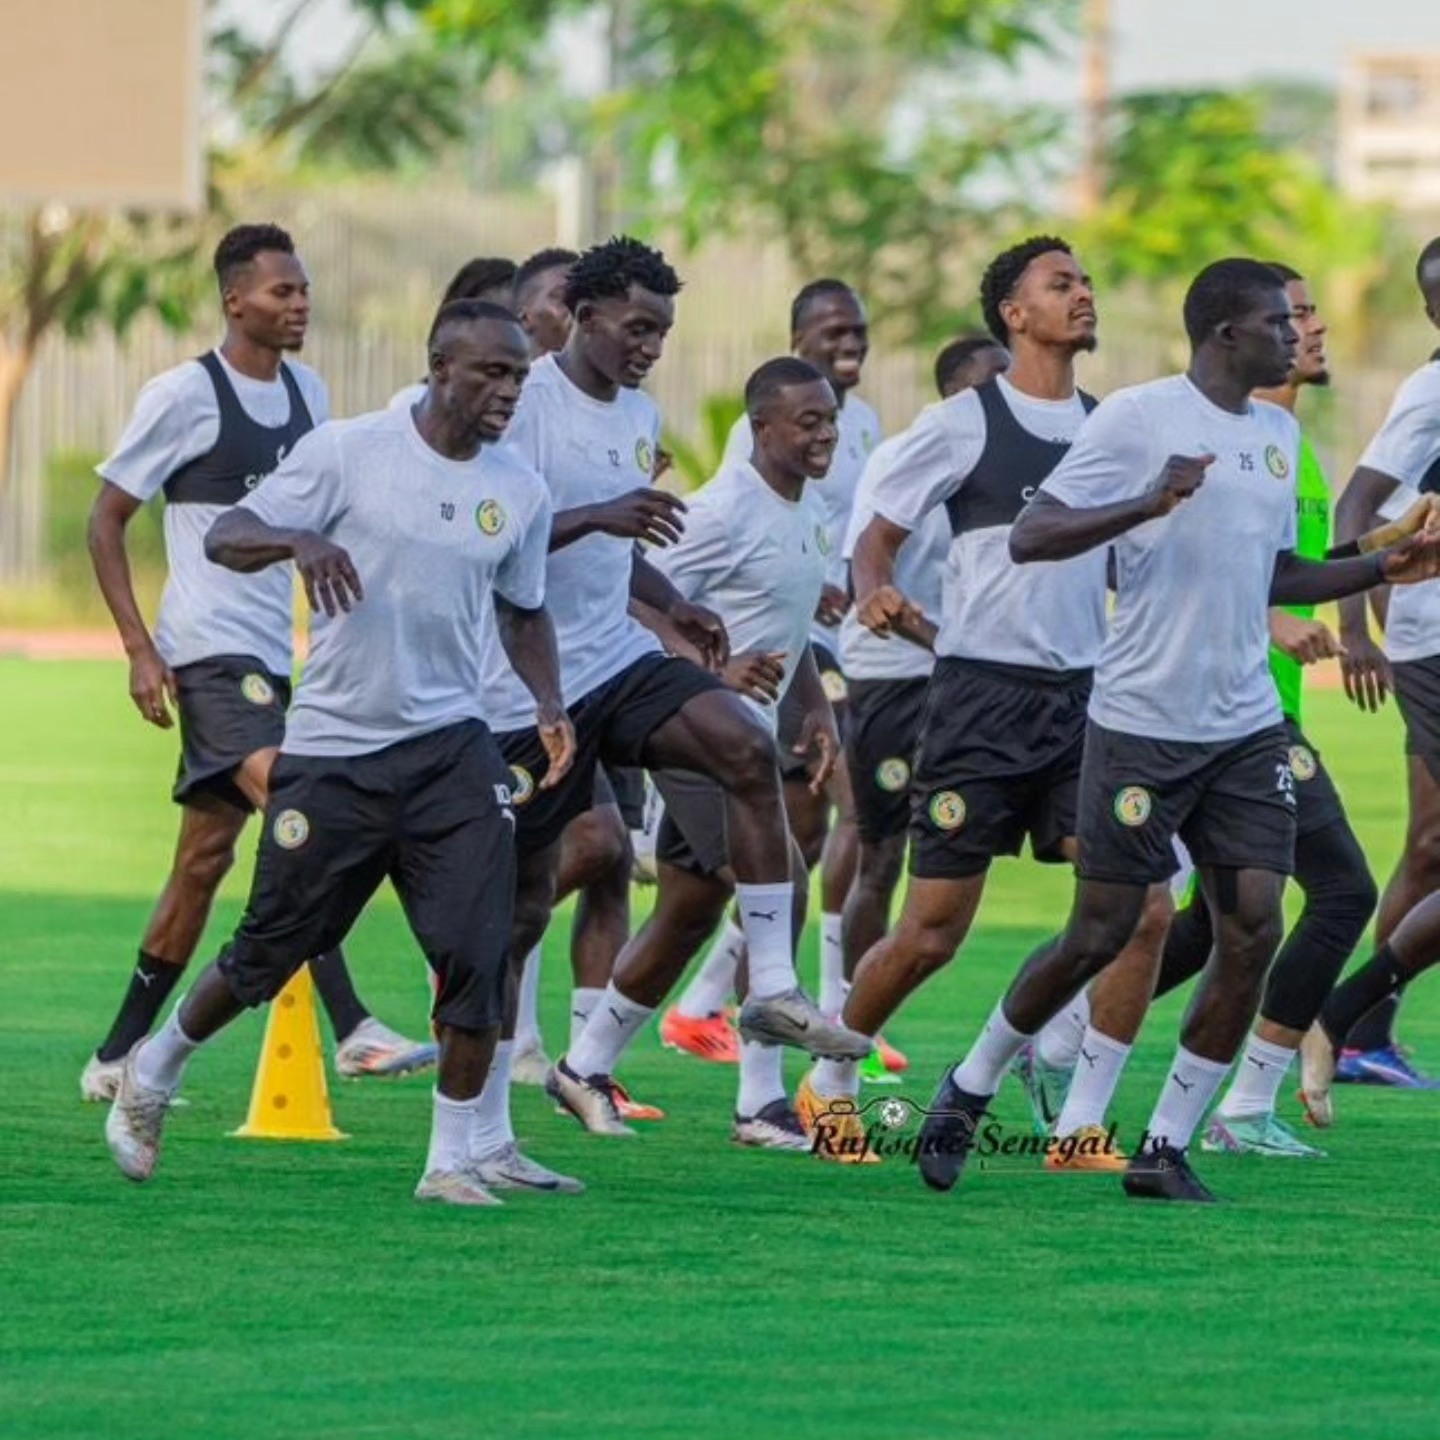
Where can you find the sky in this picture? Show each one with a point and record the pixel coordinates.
(1158, 43)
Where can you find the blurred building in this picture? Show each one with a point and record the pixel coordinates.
(1389, 130)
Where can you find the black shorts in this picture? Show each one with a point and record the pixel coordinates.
(1317, 802)
(627, 791)
(1232, 802)
(998, 759)
(230, 707)
(790, 719)
(612, 724)
(692, 832)
(1417, 692)
(433, 814)
(882, 728)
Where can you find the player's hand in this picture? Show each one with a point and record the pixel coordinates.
(648, 514)
(887, 612)
(1365, 671)
(1422, 517)
(1414, 559)
(152, 688)
(330, 579)
(557, 735)
(664, 461)
(1180, 477)
(703, 629)
(834, 602)
(757, 674)
(820, 742)
(1305, 641)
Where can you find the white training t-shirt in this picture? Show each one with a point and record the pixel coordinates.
(431, 539)
(919, 575)
(757, 560)
(1050, 615)
(1187, 657)
(206, 610)
(1407, 449)
(859, 428)
(408, 396)
(587, 451)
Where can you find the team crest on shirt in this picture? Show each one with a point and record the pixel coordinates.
(892, 775)
(490, 517)
(1303, 764)
(832, 682)
(1132, 805)
(947, 810)
(522, 784)
(1276, 463)
(257, 690)
(644, 456)
(291, 829)
(822, 540)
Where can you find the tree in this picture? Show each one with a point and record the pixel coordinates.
(387, 100)
(844, 129)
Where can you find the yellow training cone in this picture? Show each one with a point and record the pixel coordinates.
(290, 1100)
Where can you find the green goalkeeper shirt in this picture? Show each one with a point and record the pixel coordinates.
(1312, 540)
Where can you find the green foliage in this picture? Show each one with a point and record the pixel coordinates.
(696, 463)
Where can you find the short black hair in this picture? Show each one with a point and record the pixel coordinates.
(776, 375)
(1003, 274)
(1284, 271)
(481, 279)
(1429, 256)
(239, 247)
(609, 270)
(959, 353)
(809, 294)
(461, 312)
(1225, 291)
(541, 261)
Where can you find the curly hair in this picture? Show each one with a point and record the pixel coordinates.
(609, 270)
(1004, 273)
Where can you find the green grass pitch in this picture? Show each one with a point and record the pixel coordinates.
(272, 1290)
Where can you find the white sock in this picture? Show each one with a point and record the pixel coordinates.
(834, 1078)
(160, 1061)
(1258, 1078)
(450, 1130)
(1189, 1088)
(1097, 1073)
(981, 1071)
(832, 965)
(762, 1077)
(527, 1021)
(583, 1001)
(714, 983)
(492, 1119)
(1058, 1042)
(765, 916)
(614, 1024)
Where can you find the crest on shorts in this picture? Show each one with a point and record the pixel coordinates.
(832, 682)
(257, 690)
(522, 784)
(291, 829)
(1276, 463)
(947, 810)
(644, 456)
(490, 517)
(1132, 805)
(1303, 764)
(893, 775)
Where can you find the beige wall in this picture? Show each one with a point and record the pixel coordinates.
(100, 102)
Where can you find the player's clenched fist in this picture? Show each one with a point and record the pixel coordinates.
(886, 611)
(1179, 478)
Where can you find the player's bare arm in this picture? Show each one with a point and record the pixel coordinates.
(152, 686)
(1048, 529)
(645, 514)
(819, 735)
(699, 627)
(1364, 668)
(240, 540)
(528, 638)
(1304, 641)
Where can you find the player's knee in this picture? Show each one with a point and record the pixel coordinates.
(602, 847)
(749, 757)
(202, 867)
(925, 948)
(1422, 857)
(1255, 932)
(1155, 918)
